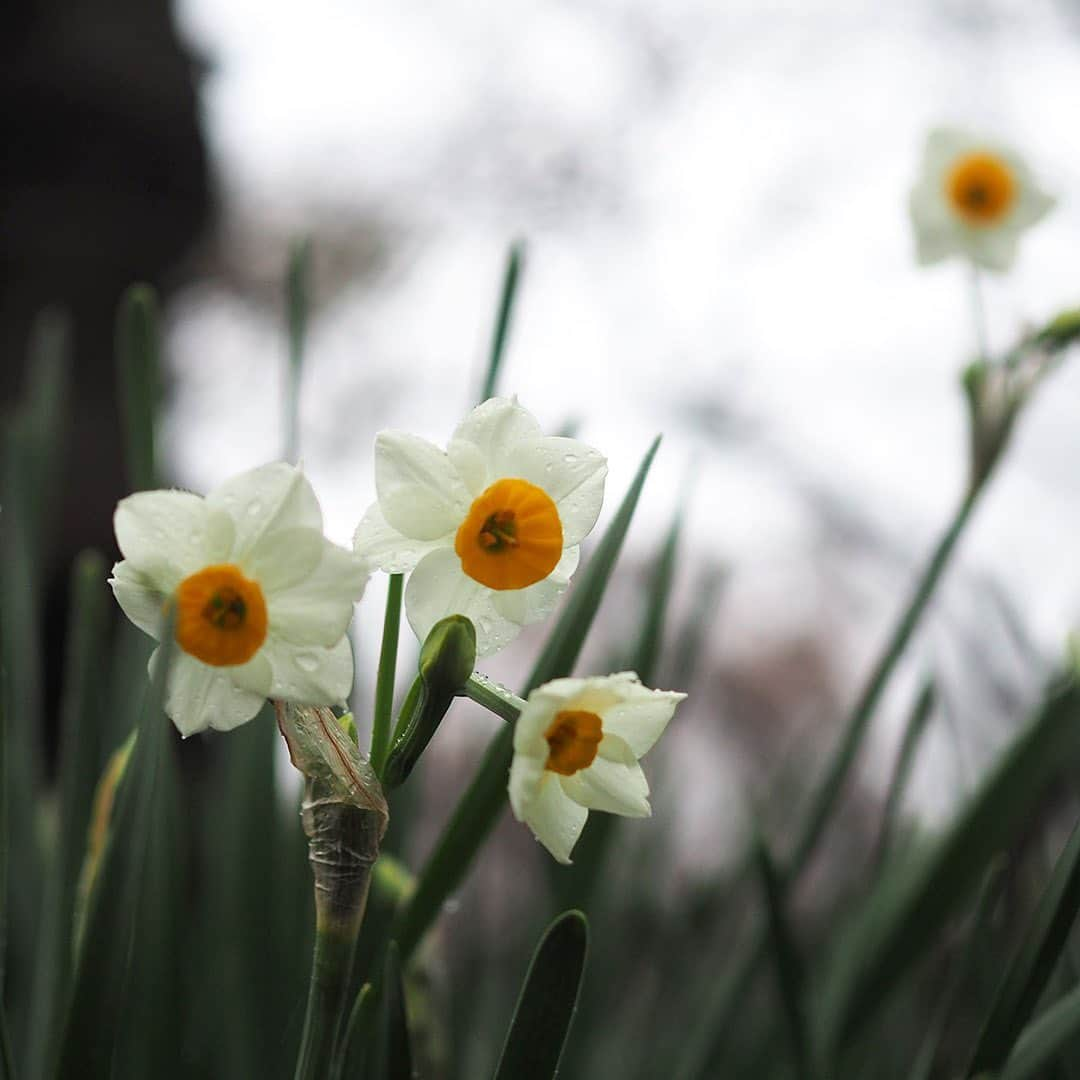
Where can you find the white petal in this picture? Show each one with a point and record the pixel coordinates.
(140, 601)
(318, 610)
(613, 782)
(535, 719)
(256, 675)
(310, 675)
(526, 772)
(944, 145)
(382, 547)
(282, 558)
(554, 818)
(640, 719)
(1033, 205)
(438, 587)
(162, 534)
(935, 226)
(994, 249)
(199, 696)
(570, 472)
(420, 493)
(493, 428)
(536, 603)
(265, 500)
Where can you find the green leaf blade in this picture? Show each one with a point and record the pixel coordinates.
(545, 1009)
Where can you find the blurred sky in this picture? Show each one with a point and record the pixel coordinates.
(714, 198)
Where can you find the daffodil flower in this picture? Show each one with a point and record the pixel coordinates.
(262, 599)
(490, 527)
(576, 749)
(973, 198)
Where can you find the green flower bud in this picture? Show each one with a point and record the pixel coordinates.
(447, 659)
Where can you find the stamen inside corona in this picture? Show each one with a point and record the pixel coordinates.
(220, 616)
(573, 739)
(981, 188)
(512, 536)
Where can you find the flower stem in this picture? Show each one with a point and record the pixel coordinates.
(494, 698)
(384, 682)
(331, 968)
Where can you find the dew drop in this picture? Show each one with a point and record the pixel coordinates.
(307, 662)
(254, 507)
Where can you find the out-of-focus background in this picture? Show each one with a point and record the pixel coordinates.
(713, 201)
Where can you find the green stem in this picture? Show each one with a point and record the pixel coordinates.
(331, 968)
(296, 302)
(494, 698)
(384, 682)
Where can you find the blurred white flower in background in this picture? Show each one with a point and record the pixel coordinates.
(974, 198)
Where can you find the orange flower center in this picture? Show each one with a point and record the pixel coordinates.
(573, 739)
(981, 188)
(512, 536)
(220, 616)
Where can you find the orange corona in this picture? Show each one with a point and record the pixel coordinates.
(220, 616)
(512, 536)
(573, 739)
(981, 188)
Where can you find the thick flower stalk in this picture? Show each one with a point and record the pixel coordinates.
(576, 749)
(262, 599)
(490, 528)
(974, 197)
(345, 816)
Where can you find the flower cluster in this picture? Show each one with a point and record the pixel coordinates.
(489, 528)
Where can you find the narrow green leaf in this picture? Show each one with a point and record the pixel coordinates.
(545, 1009)
(384, 680)
(515, 258)
(905, 759)
(563, 647)
(359, 1033)
(484, 799)
(1025, 979)
(912, 900)
(100, 1000)
(138, 352)
(575, 885)
(80, 758)
(826, 795)
(790, 974)
(690, 642)
(651, 636)
(1045, 1039)
(392, 1053)
(297, 303)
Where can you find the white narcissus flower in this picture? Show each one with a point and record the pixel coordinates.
(263, 600)
(490, 527)
(576, 749)
(974, 198)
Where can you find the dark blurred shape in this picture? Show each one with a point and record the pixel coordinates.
(103, 181)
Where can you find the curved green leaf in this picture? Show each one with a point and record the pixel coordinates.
(545, 1008)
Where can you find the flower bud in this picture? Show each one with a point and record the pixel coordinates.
(447, 659)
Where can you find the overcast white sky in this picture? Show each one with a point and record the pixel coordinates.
(714, 197)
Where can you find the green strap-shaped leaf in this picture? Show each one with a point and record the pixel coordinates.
(80, 759)
(515, 258)
(1031, 967)
(100, 1000)
(297, 305)
(483, 801)
(391, 1052)
(385, 678)
(575, 885)
(545, 1008)
(138, 353)
(788, 965)
(910, 903)
(1044, 1040)
(918, 718)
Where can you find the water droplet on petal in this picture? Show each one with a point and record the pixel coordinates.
(307, 662)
